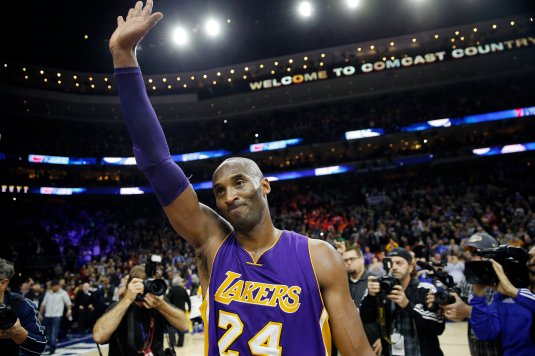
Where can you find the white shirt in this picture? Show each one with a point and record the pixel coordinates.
(55, 303)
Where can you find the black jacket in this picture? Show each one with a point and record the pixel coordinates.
(428, 325)
(179, 297)
(28, 316)
(358, 290)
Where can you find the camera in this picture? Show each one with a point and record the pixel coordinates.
(443, 295)
(513, 260)
(152, 285)
(388, 282)
(8, 317)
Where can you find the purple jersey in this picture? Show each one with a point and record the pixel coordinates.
(271, 306)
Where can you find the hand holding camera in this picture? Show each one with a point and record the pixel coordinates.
(504, 286)
(457, 311)
(151, 301)
(134, 288)
(15, 332)
(398, 296)
(373, 286)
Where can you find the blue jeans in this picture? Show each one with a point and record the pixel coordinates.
(52, 330)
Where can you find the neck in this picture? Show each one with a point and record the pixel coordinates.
(260, 241)
(2, 297)
(260, 236)
(356, 276)
(405, 281)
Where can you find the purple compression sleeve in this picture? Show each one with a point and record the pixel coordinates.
(150, 146)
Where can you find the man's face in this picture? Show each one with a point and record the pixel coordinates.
(400, 267)
(240, 195)
(56, 288)
(353, 263)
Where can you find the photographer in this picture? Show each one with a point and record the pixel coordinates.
(137, 322)
(20, 330)
(461, 310)
(510, 315)
(408, 328)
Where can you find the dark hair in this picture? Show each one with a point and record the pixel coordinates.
(54, 282)
(355, 248)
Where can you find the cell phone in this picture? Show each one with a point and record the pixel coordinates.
(480, 272)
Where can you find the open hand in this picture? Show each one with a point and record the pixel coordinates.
(138, 23)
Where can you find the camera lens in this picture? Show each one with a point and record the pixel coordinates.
(155, 286)
(8, 317)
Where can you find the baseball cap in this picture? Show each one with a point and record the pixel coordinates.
(481, 240)
(400, 252)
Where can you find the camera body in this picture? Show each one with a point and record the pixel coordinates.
(443, 295)
(8, 317)
(513, 260)
(151, 284)
(387, 283)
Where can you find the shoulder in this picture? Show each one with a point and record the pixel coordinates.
(13, 299)
(424, 287)
(321, 248)
(325, 259)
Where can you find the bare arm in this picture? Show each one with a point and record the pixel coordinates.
(108, 323)
(174, 316)
(344, 319)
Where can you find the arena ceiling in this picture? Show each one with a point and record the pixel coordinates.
(52, 33)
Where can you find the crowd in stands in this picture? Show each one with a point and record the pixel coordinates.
(91, 245)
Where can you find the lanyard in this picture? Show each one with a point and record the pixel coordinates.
(147, 343)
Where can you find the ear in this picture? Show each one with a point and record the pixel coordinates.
(266, 187)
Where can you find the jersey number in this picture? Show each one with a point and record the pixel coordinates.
(265, 342)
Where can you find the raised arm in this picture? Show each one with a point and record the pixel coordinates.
(192, 220)
(344, 319)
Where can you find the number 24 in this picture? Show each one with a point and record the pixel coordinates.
(265, 342)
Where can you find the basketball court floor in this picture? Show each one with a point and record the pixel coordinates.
(453, 342)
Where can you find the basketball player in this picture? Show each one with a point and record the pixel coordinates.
(265, 291)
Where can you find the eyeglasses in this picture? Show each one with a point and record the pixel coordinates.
(350, 259)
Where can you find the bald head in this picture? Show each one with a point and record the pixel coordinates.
(243, 166)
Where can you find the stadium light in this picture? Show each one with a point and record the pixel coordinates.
(352, 4)
(212, 27)
(305, 9)
(180, 36)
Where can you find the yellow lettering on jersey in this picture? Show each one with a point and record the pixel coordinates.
(234, 289)
(247, 295)
(234, 292)
(231, 276)
(293, 294)
(263, 291)
(280, 291)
